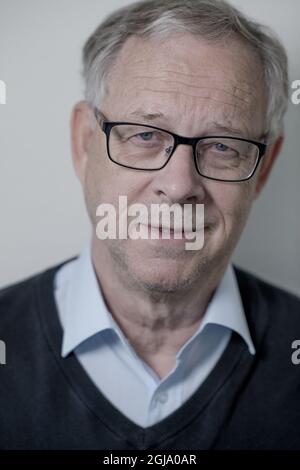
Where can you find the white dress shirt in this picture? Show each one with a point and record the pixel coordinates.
(102, 349)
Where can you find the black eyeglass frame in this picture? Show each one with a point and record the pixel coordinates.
(106, 126)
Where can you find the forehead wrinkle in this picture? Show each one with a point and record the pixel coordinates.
(246, 90)
(234, 93)
(230, 88)
(189, 95)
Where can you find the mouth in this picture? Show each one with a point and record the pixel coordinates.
(170, 233)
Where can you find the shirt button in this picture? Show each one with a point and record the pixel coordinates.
(162, 397)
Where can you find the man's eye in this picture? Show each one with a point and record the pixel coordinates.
(145, 136)
(221, 147)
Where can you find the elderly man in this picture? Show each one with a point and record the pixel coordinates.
(140, 343)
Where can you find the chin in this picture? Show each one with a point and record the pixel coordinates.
(163, 269)
(166, 276)
(161, 285)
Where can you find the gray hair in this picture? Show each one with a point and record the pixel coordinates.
(214, 20)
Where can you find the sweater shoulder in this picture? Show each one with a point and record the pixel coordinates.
(282, 305)
(271, 290)
(18, 298)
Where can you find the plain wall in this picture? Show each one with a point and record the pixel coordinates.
(43, 219)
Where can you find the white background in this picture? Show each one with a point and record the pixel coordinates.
(42, 214)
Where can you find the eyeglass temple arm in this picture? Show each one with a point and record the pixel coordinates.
(99, 116)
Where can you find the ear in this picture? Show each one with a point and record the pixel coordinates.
(82, 132)
(267, 163)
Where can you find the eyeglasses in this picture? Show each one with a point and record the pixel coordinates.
(143, 147)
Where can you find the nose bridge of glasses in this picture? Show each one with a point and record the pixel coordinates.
(190, 141)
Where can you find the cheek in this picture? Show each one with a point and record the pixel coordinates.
(105, 182)
(96, 184)
(100, 177)
(232, 204)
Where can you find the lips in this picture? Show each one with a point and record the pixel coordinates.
(169, 231)
(166, 229)
(174, 230)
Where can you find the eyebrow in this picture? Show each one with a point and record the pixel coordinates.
(147, 116)
(212, 126)
(217, 126)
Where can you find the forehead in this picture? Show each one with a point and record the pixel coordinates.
(190, 76)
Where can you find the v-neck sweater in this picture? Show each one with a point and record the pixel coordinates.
(246, 402)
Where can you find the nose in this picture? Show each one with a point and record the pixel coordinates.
(178, 181)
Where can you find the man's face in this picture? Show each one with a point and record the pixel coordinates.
(197, 89)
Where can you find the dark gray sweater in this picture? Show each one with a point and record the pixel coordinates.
(247, 402)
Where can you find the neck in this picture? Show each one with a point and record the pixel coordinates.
(157, 324)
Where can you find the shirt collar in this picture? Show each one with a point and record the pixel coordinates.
(226, 308)
(85, 313)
